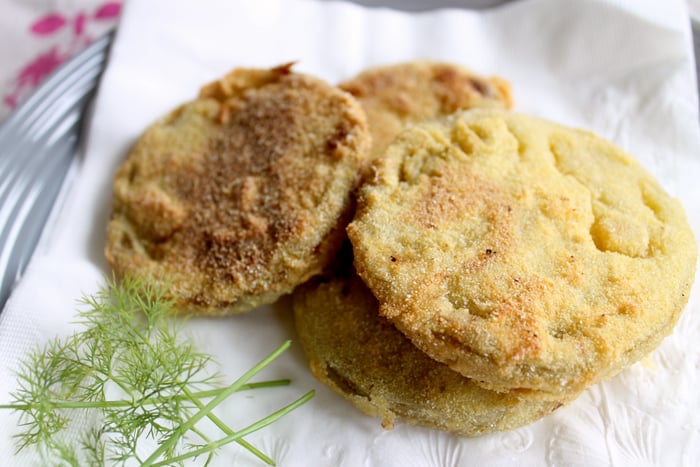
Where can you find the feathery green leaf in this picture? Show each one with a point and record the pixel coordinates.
(128, 375)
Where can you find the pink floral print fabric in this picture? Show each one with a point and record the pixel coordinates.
(53, 36)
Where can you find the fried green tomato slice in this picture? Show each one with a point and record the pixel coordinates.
(521, 253)
(240, 195)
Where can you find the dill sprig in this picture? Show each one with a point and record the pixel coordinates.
(128, 376)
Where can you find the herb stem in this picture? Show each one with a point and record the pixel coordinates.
(237, 435)
(146, 339)
(145, 402)
(227, 430)
(225, 392)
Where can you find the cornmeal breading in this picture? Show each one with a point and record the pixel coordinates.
(521, 253)
(240, 195)
(395, 96)
(362, 357)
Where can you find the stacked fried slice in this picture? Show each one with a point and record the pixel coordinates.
(240, 195)
(521, 253)
(495, 264)
(510, 262)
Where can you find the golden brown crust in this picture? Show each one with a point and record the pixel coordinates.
(362, 357)
(397, 95)
(521, 253)
(240, 195)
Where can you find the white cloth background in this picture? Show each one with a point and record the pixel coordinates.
(622, 68)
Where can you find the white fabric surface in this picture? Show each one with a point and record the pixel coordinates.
(694, 6)
(622, 68)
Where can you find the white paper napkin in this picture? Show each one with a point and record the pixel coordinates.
(622, 68)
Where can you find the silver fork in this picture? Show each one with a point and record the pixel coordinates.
(38, 144)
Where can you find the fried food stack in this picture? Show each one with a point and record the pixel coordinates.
(453, 264)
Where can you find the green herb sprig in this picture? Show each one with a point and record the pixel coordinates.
(128, 376)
